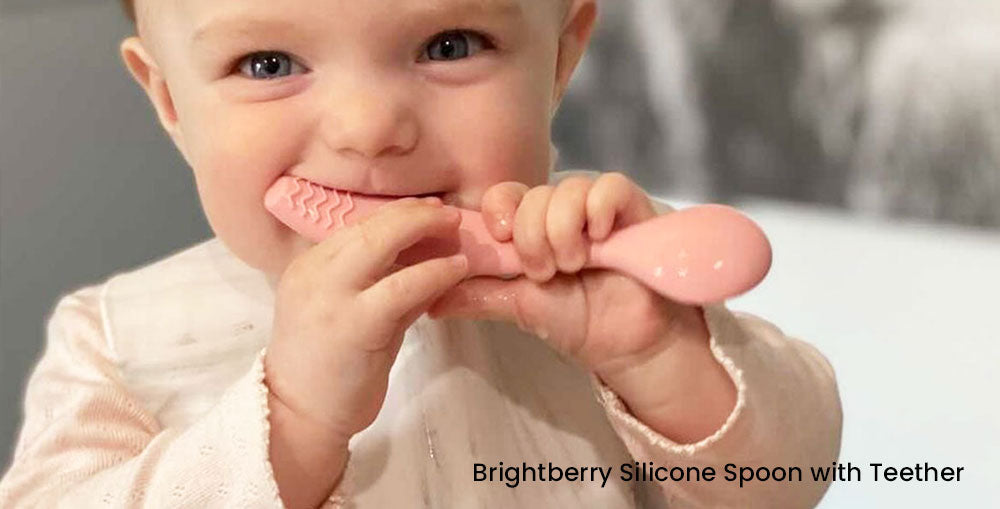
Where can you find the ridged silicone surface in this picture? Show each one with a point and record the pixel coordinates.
(698, 255)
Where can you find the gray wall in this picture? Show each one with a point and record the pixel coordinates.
(88, 183)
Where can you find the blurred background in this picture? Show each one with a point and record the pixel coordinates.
(883, 107)
(863, 135)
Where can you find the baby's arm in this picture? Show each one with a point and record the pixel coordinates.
(86, 441)
(787, 414)
(85, 438)
(749, 395)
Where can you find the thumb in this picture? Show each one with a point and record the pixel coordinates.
(481, 298)
(553, 311)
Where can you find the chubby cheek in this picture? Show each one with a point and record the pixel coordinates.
(240, 151)
(497, 132)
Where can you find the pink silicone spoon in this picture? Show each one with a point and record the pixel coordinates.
(698, 255)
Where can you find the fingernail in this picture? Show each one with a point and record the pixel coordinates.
(540, 272)
(459, 261)
(598, 232)
(504, 220)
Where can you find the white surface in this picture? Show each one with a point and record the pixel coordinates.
(906, 313)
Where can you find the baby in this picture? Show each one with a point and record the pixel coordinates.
(259, 369)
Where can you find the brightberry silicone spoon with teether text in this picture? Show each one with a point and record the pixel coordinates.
(699, 255)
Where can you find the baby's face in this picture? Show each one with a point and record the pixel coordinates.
(388, 97)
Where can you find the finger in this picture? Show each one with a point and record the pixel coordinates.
(538, 308)
(482, 298)
(377, 241)
(405, 294)
(614, 196)
(565, 221)
(530, 238)
(498, 207)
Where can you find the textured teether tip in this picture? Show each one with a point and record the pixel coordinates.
(312, 210)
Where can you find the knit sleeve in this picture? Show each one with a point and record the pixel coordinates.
(86, 441)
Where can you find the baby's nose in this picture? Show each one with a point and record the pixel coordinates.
(368, 122)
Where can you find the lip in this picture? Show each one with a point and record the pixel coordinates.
(373, 194)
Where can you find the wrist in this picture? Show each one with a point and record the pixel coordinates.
(686, 333)
(676, 386)
(308, 459)
(284, 379)
(308, 456)
(310, 429)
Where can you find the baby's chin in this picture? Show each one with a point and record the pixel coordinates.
(268, 250)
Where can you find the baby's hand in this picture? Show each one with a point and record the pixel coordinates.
(341, 312)
(340, 315)
(593, 316)
(651, 351)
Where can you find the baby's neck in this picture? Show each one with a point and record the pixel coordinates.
(272, 281)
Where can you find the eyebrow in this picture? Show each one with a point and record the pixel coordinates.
(502, 8)
(240, 27)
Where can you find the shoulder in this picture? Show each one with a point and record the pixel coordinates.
(194, 292)
(91, 299)
(175, 332)
(198, 264)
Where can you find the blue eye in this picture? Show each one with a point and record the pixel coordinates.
(455, 45)
(269, 65)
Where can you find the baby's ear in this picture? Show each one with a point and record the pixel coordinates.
(576, 31)
(148, 75)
